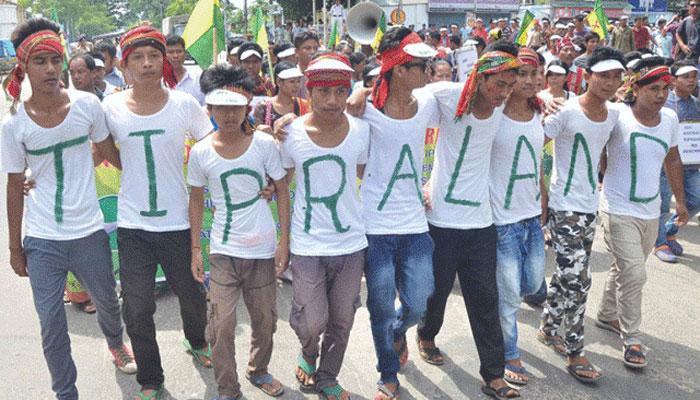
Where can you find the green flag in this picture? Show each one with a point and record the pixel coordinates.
(598, 21)
(54, 18)
(334, 39)
(381, 29)
(260, 37)
(204, 33)
(528, 21)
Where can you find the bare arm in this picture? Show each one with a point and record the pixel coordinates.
(196, 208)
(357, 101)
(674, 172)
(107, 150)
(361, 171)
(15, 209)
(544, 191)
(282, 256)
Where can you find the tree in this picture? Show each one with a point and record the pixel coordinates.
(89, 17)
(180, 7)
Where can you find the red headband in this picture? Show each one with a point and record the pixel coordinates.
(328, 77)
(148, 34)
(389, 59)
(528, 56)
(565, 42)
(652, 75)
(46, 40)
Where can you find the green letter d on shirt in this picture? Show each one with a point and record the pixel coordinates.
(579, 138)
(153, 210)
(230, 205)
(57, 151)
(405, 153)
(633, 165)
(331, 202)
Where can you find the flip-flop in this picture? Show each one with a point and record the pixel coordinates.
(428, 354)
(199, 355)
(334, 391)
(607, 325)
(500, 393)
(628, 352)
(154, 395)
(260, 380)
(575, 369)
(517, 370)
(384, 392)
(308, 370)
(552, 341)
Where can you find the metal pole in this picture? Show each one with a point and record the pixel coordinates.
(313, 14)
(245, 17)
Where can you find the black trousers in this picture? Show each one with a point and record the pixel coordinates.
(470, 255)
(140, 252)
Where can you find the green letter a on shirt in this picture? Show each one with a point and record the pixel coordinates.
(331, 202)
(57, 151)
(633, 165)
(230, 205)
(405, 153)
(579, 139)
(153, 210)
(449, 197)
(522, 140)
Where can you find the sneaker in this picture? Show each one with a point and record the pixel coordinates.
(676, 247)
(124, 359)
(665, 254)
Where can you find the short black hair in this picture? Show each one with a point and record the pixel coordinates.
(97, 55)
(480, 42)
(559, 63)
(357, 58)
(31, 26)
(233, 43)
(249, 46)
(174, 40)
(106, 46)
(603, 53)
(632, 55)
(436, 62)
(456, 39)
(504, 46)
(281, 47)
(590, 36)
(579, 18)
(89, 61)
(679, 64)
(282, 66)
(661, 21)
(393, 37)
(222, 75)
(365, 72)
(435, 35)
(302, 37)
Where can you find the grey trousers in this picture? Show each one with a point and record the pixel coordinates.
(232, 277)
(326, 296)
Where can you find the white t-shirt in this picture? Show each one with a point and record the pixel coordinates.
(327, 217)
(515, 170)
(153, 195)
(636, 155)
(243, 226)
(577, 140)
(63, 205)
(391, 190)
(460, 179)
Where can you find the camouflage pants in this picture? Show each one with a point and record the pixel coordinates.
(572, 239)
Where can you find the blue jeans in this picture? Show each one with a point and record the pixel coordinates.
(691, 184)
(403, 263)
(48, 262)
(520, 270)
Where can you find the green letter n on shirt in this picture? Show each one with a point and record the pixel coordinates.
(514, 176)
(230, 205)
(153, 210)
(57, 151)
(580, 140)
(633, 165)
(331, 201)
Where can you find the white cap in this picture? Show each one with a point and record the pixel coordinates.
(420, 50)
(99, 63)
(633, 63)
(570, 25)
(560, 26)
(624, 17)
(555, 37)
(686, 69)
(246, 54)
(557, 69)
(647, 55)
(290, 73)
(223, 97)
(234, 51)
(607, 65)
(375, 72)
(287, 53)
(329, 64)
(443, 29)
(470, 42)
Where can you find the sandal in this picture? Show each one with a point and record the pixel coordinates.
(554, 341)
(335, 392)
(306, 375)
(607, 325)
(431, 355)
(87, 307)
(629, 352)
(588, 367)
(503, 392)
(266, 383)
(203, 357)
(513, 376)
(154, 395)
(384, 393)
(402, 351)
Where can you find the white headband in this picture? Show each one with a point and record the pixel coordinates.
(290, 73)
(686, 69)
(557, 69)
(607, 65)
(287, 53)
(99, 63)
(223, 97)
(246, 54)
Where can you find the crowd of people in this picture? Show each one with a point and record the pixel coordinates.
(536, 147)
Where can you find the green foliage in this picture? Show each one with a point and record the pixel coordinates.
(180, 7)
(89, 17)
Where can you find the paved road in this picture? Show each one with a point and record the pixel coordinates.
(671, 328)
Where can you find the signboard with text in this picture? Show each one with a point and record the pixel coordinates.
(649, 5)
(505, 5)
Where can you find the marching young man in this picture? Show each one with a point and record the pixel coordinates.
(327, 150)
(630, 203)
(50, 134)
(150, 123)
(233, 163)
(580, 131)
